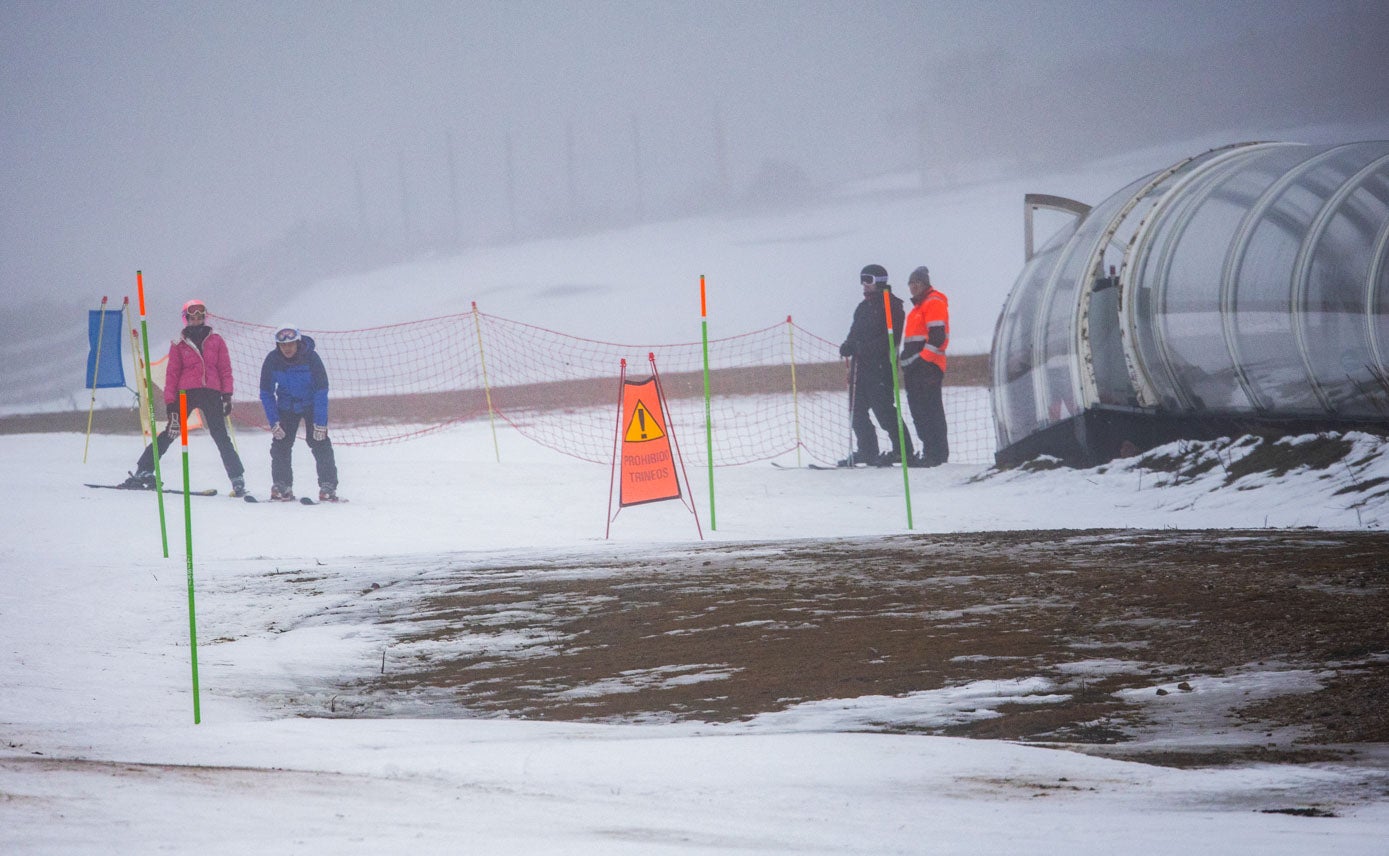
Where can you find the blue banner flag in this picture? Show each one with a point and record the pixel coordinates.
(110, 372)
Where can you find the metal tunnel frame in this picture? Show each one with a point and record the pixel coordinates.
(1242, 289)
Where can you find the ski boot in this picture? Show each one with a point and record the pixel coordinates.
(855, 459)
(887, 459)
(141, 480)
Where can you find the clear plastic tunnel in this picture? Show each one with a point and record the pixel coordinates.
(1248, 284)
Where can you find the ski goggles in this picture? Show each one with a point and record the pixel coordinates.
(196, 312)
(870, 279)
(288, 334)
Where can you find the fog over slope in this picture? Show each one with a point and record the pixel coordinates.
(248, 154)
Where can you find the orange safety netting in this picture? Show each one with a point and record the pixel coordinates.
(771, 390)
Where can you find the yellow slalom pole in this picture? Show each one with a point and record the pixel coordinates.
(486, 387)
(96, 369)
(795, 399)
(141, 394)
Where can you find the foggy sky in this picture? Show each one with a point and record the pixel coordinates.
(244, 148)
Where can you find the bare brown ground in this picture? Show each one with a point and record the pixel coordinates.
(794, 622)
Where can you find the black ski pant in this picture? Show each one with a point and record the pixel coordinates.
(870, 391)
(209, 401)
(282, 452)
(923, 381)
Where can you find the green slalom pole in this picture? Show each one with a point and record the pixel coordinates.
(149, 400)
(708, 418)
(188, 551)
(897, 401)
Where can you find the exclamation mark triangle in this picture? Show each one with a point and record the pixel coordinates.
(642, 427)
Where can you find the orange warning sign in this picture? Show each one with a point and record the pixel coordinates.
(648, 469)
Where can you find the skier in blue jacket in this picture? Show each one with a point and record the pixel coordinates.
(294, 387)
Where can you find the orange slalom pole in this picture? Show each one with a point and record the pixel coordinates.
(708, 412)
(149, 399)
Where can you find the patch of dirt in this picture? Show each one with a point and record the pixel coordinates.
(726, 632)
(1278, 457)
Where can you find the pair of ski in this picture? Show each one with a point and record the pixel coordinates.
(781, 466)
(303, 500)
(212, 491)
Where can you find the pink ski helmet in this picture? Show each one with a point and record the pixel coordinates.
(192, 303)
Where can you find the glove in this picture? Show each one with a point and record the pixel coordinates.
(172, 430)
(277, 431)
(226, 404)
(320, 433)
(846, 350)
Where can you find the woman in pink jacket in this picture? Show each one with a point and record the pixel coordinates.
(200, 366)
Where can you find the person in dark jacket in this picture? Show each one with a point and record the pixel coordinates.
(294, 389)
(870, 370)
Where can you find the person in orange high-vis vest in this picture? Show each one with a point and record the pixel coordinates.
(924, 340)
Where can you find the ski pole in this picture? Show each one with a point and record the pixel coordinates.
(853, 386)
